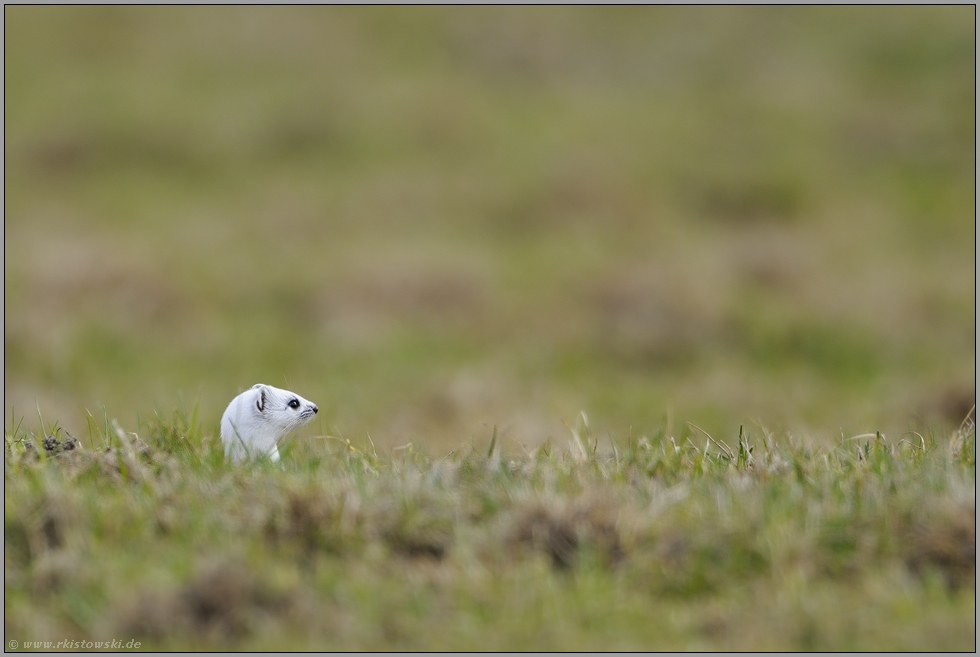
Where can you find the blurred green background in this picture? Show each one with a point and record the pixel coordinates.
(431, 221)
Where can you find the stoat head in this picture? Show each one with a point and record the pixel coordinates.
(282, 408)
(256, 420)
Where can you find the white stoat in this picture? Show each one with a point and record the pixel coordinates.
(256, 420)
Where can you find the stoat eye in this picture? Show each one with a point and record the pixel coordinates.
(293, 403)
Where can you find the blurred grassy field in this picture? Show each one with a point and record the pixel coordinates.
(771, 543)
(580, 231)
(432, 221)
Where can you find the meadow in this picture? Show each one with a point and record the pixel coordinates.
(760, 543)
(704, 279)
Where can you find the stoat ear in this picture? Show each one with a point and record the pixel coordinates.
(260, 401)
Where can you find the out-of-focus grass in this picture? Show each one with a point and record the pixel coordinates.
(436, 220)
(747, 542)
(446, 224)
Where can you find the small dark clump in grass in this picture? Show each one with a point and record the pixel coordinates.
(562, 530)
(415, 529)
(219, 604)
(946, 541)
(316, 521)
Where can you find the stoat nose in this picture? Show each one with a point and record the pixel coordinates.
(315, 409)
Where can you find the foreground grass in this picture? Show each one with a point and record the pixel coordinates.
(751, 542)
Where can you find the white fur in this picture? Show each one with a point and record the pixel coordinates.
(256, 420)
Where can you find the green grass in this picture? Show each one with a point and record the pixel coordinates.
(446, 224)
(434, 220)
(751, 541)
